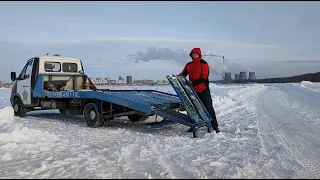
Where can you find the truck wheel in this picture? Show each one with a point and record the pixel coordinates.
(92, 115)
(137, 117)
(63, 111)
(18, 108)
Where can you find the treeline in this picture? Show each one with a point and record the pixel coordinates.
(313, 77)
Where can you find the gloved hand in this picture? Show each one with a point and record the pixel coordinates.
(190, 83)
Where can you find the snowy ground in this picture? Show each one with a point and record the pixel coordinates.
(268, 131)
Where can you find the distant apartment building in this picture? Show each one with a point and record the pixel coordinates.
(121, 82)
(144, 81)
(149, 82)
(93, 80)
(129, 80)
(121, 78)
(1, 84)
(162, 82)
(113, 82)
(137, 82)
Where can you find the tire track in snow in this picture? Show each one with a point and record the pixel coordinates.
(300, 146)
(168, 162)
(287, 138)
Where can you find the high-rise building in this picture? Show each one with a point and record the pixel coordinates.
(129, 80)
(227, 77)
(121, 78)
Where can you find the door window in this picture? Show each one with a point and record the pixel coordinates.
(29, 70)
(25, 73)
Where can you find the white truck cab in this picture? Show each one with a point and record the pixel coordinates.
(24, 84)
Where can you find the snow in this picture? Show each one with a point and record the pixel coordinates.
(15, 138)
(267, 131)
(310, 85)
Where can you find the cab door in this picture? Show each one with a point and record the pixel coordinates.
(24, 83)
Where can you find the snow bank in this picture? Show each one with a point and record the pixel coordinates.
(4, 97)
(13, 135)
(310, 85)
(6, 112)
(13, 131)
(306, 83)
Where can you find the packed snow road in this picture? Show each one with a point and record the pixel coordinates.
(267, 131)
(289, 128)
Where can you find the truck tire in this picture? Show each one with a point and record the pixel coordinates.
(18, 108)
(137, 117)
(92, 115)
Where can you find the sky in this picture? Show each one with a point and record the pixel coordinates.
(273, 39)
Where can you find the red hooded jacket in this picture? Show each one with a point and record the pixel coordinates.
(198, 71)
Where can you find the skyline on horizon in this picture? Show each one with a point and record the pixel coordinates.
(273, 39)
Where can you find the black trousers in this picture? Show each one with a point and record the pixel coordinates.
(205, 97)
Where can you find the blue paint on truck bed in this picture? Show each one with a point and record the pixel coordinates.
(139, 100)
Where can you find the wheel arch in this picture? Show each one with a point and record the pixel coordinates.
(15, 96)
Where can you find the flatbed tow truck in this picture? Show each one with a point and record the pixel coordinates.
(54, 82)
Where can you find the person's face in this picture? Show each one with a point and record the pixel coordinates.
(195, 55)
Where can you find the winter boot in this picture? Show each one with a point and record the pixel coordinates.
(216, 129)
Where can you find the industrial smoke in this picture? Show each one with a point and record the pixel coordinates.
(218, 66)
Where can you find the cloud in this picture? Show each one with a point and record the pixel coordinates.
(173, 40)
(180, 56)
(27, 43)
(138, 40)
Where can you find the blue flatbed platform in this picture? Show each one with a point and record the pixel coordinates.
(150, 102)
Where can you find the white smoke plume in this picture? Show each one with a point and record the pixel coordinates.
(218, 66)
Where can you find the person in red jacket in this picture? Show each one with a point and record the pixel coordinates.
(198, 71)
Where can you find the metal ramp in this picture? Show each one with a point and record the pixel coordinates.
(197, 116)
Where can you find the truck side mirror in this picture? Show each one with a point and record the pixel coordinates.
(81, 72)
(13, 76)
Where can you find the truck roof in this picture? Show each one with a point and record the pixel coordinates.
(59, 61)
(58, 58)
